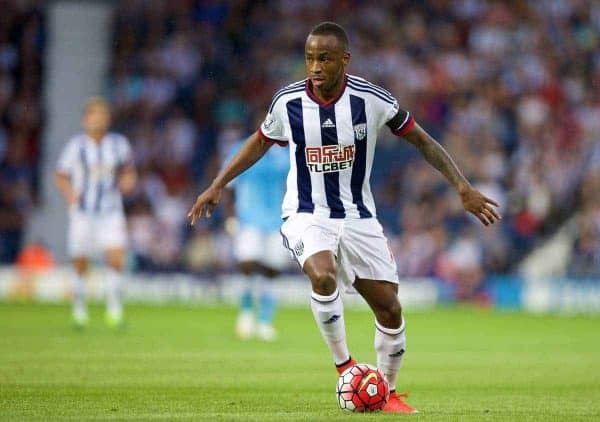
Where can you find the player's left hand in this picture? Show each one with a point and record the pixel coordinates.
(479, 205)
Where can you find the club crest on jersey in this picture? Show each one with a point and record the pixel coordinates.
(329, 158)
(360, 131)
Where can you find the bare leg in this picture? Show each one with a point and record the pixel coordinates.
(382, 297)
(321, 270)
(80, 267)
(115, 260)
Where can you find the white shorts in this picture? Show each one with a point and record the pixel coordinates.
(359, 245)
(251, 244)
(90, 234)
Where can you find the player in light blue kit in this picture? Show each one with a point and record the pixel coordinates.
(258, 249)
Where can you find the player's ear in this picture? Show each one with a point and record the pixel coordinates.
(346, 58)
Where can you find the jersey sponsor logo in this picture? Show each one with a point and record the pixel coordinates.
(360, 131)
(329, 158)
(328, 123)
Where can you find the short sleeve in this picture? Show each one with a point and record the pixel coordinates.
(386, 107)
(391, 110)
(67, 159)
(272, 128)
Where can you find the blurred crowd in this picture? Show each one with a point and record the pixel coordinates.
(585, 259)
(511, 89)
(21, 44)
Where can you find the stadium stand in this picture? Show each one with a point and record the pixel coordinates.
(22, 40)
(503, 87)
(506, 87)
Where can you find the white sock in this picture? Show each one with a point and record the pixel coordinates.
(329, 315)
(114, 286)
(79, 306)
(390, 345)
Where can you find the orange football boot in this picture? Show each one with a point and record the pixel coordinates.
(396, 405)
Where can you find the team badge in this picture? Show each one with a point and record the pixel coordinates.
(299, 248)
(360, 131)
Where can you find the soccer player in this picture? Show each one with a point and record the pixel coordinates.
(257, 242)
(93, 170)
(330, 122)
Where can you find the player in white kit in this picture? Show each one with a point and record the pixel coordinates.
(330, 122)
(94, 169)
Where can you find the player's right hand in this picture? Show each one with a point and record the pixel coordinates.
(205, 204)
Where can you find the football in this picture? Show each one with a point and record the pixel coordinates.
(362, 388)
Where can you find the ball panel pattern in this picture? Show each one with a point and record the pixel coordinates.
(362, 388)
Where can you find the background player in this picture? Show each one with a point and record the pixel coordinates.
(257, 243)
(331, 121)
(93, 170)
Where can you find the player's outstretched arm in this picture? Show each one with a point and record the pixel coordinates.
(473, 201)
(250, 152)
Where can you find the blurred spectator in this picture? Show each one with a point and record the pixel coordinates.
(585, 262)
(510, 88)
(21, 46)
(15, 198)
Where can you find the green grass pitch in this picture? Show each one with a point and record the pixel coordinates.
(183, 363)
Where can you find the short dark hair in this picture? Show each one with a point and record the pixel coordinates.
(332, 28)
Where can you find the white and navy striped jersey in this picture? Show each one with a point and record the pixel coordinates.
(332, 145)
(93, 168)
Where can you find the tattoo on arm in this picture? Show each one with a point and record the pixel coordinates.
(436, 155)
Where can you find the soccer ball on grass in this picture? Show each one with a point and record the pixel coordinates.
(362, 388)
